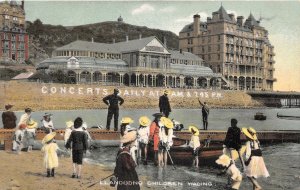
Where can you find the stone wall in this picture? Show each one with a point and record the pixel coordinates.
(40, 96)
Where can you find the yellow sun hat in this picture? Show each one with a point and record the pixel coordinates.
(69, 124)
(167, 122)
(48, 137)
(249, 133)
(167, 92)
(195, 129)
(126, 120)
(253, 131)
(144, 121)
(223, 160)
(32, 124)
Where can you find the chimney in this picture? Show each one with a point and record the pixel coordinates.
(140, 36)
(180, 50)
(231, 16)
(113, 40)
(126, 38)
(165, 41)
(196, 24)
(22, 5)
(92, 40)
(240, 20)
(208, 19)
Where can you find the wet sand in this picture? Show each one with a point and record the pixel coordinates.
(26, 172)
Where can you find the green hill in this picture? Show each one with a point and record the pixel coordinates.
(45, 38)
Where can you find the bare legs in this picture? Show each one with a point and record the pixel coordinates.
(76, 170)
(162, 158)
(256, 186)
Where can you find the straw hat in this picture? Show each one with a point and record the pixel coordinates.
(195, 129)
(144, 121)
(167, 122)
(166, 92)
(156, 115)
(48, 137)
(248, 133)
(253, 131)
(126, 120)
(223, 160)
(128, 137)
(69, 124)
(32, 124)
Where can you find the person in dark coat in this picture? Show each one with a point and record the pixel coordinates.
(205, 113)
(79, 144)
(113, 108)
(127, 178)
(233, 141)
(164, 104)
(9, 118)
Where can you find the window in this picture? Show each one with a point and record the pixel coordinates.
(219, 47)
(203, 40)
(219, 38)
(209, 39)
(209, 48)
(209, 57)
(203, 49)
(188, 34)
(219, 56)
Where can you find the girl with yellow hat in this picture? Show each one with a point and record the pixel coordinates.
(195, 144)
(255, 165)
(29, 134)
(143, 137)
(50, 155)
(166, 141)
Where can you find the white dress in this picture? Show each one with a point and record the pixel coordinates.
(195, 142)
(166, 138)
(143, 134)
(256, 167)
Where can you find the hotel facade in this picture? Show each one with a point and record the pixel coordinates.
(239, 50)
(13, 36)
(139, 62)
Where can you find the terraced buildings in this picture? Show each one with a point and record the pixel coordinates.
(239, 50)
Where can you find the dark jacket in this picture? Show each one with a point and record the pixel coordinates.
(9, 120)
(77, 141)
(164, 104)
(205, 110)
(233, 139)
(125, 172)
(113, 101)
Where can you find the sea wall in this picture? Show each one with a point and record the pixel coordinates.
(40, 96)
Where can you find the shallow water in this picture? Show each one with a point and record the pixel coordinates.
(282, 161)
(218, 118)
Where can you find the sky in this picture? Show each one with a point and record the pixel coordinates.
(280, 18)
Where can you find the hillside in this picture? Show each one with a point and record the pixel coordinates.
(45, 38)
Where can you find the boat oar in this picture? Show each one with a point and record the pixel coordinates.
(171, 159)
(98, 181)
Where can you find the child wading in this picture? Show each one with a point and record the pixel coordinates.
(78, 142)
(165, 136)
(195, 144)
(18, 138)
(50, 155)
(255, 165)
(29, 134)
(143, 137)
(125, 172)
(125, 129)
(154, 135)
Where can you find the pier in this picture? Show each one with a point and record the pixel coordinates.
(276, 99)
(265, 137)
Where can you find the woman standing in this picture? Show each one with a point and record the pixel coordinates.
(255, 165)
(165, 136)
(143, 137)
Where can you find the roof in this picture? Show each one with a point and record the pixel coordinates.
(133, 45)
(190, 27)
(184, 55)
(192, 70)
(23, 76)
(91, 46)
(223, 14)
(251, 21)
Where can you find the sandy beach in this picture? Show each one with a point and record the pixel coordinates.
(26, 172)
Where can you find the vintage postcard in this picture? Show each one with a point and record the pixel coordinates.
(149, 95)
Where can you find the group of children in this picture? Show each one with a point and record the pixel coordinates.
(253, 166)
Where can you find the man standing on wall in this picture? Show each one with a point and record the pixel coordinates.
(113, 108)
(164, 104)
(205, 112)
